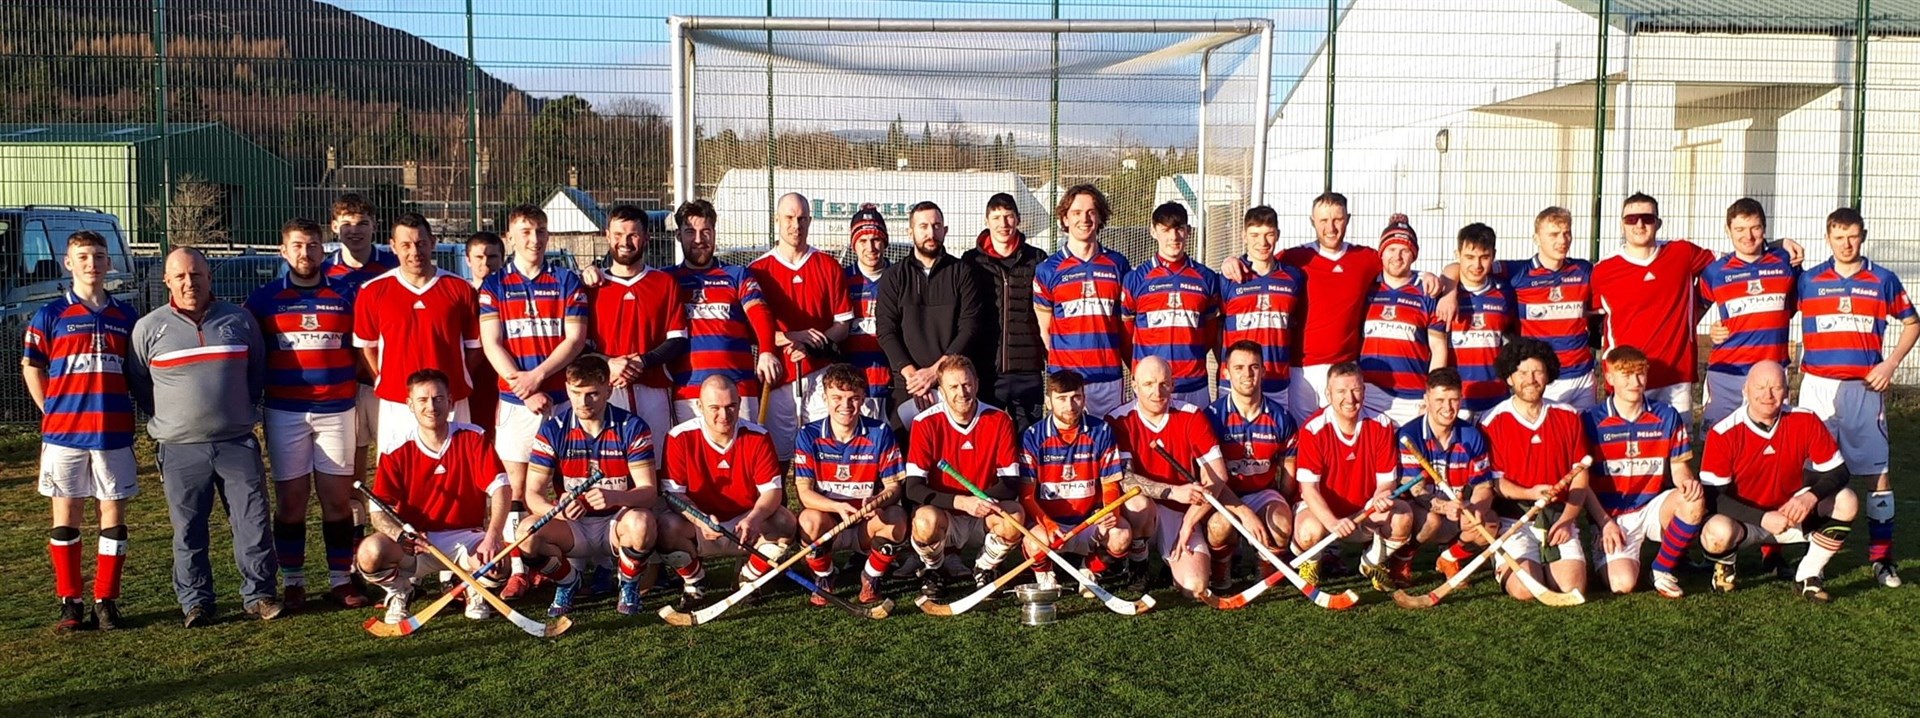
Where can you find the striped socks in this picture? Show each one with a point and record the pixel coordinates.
(1674, 542)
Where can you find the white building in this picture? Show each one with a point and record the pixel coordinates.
(1454, 115)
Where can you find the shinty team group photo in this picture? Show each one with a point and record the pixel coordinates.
(946, 427)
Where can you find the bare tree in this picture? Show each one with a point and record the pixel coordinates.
(197, 214)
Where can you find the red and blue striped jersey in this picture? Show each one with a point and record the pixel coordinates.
(863, 345)
(1754, 301)
(1084, 297)
(572, 455)
(809, 295)
(1255, 450)
(632, 315)
(533, 313)
(853, 470)
(1481, 325)
(1261, 309)
(1553, 307)
(310, 354)
(1171, 310)
(1843, 320)
(1650, 305)
(335, 266)
(1394, 349)
(1067, 468)
(1464, 460)
(1632, 456)
(1335, 300)
(85, 354)
(726, 319)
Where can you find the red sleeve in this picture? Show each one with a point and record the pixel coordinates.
(1386, 462)
(920, 448)
(488, 462)
(759, 316)
(1716, 461)
(838, 301)
(1006, 457)
(765, 467)
(1701, 258)
(676, 467)
(363, 326)
(386, 480)
(1209, 442)
(470, 309)
(1822, 452)
(1308, 455)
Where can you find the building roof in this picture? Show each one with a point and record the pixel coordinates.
(115, 133)
(1825, 17)
(595, 217)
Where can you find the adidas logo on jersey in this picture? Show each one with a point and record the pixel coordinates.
(417, 304)
(439, 469)
(967, 446)
(1769, 451)
(725, 465)
(1536, 439)
(1339, 268)
(1648, 278)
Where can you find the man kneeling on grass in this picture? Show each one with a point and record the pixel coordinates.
(445, 480)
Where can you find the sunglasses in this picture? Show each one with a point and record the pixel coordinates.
(1641, 218)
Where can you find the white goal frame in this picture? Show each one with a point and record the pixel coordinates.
(682, 67)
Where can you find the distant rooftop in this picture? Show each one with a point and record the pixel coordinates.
(117, 133)
(1836, 17)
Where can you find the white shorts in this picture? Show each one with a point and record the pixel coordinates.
(457, 544)
(912, 408)
(1167, 529)
(654, 406)
(1104, 397)
(1258, 501)
(1525, 544)
(514, 428)
(1307, 390)
(1856, 416)
(1197, 397)
(1679, 396)
(783, 419)
(69, 473)
(1093, 540)
(684, 409)
(396, 423)
(1725, 392)
(1574, 391)
(1363, 531)
(1636, 528)
(1401, 411)
(593, 535)
(366, 416)
(300, 443)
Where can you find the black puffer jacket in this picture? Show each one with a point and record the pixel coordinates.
(1009, 340)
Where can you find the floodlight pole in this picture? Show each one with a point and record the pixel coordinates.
(1860, 98)
(1599, 129)
(473, 119)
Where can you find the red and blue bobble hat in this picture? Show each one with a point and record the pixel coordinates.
(867, 222)
(1398, 230)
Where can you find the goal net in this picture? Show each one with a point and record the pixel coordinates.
(895, 112)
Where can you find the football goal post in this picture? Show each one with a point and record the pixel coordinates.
(898, 111)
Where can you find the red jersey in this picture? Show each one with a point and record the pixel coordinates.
(632, 315)
(1335, 300)
(1650, 305)
(1184, 429)
(1539, 453)
(1765, 467)
(1349, 469)
(984, 450)
(809, 295)
(441, 489)
(723, 481)
(429, 327)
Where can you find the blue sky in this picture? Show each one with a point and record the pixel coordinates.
(615, 50)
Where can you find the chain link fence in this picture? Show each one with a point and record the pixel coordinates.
(211, 121)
